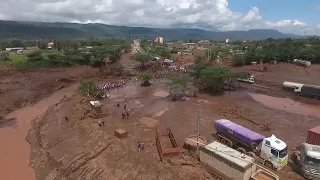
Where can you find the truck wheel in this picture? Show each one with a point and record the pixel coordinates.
(253, 145)
(228, 143)
(241, 150)
(251, 154)
(268, 164)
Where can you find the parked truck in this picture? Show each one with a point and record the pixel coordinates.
(302, 62)
(272, 151)
(308, 90)
(226, 163)
(307, 155)
(291, 85)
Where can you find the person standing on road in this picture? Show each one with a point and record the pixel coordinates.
(127, 115)
(125, 106)
(139, 146)
(123, 115)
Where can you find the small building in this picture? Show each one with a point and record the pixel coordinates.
(159, 40)
(227, 162)
(191, 45)
(15, 49)
(204, 43)
(50, 45)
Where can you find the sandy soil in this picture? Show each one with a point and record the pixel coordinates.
(66, 141)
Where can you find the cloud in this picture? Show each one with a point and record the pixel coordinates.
(157, 13)
(294, 26)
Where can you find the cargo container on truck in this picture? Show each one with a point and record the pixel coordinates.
(307, 155)
(272, 151)
(291, 85)
(308, 90)
(229, 164)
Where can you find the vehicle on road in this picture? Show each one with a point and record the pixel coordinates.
(227, 163)
(271, 151)
(308, 90)
(291, 85)
(307, 155)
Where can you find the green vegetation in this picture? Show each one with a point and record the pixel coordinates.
(213, 78)
(67, 53)
(146, 77)
(142, 57)
(282, 50)
(179, 83)
(88, 88)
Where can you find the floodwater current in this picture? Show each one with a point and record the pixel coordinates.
(14, 149)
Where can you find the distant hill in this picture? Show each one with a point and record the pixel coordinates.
(46, 30)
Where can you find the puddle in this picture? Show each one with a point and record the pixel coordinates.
(161, 94)
(287, 105)
(160, 113)
(15, 150)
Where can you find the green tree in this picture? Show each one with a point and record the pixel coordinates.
(142, 58)
(146, 77)
(179, 83)
(88, 88)
(212, 78)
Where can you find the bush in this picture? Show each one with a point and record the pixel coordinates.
(146, 77)
(179, 83)
(4, 56)
(18, 60)
(88, 88)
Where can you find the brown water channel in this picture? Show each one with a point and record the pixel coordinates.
(14, 149)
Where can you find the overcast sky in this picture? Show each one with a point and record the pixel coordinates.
(290, 16)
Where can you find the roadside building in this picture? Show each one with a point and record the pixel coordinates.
(15, 49)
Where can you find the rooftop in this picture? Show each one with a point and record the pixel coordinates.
(276, 143)
(230, 154)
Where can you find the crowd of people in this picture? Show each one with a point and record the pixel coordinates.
(114, 85)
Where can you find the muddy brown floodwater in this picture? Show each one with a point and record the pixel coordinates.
(15, 150)
(286, 104)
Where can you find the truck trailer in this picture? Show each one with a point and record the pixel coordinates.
(308, 90)
(229, 164)
(291, 85)
(272, 151)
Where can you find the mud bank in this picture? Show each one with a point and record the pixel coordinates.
(15, 150)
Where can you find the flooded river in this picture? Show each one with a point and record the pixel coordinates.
(14, 149)
(286, 104)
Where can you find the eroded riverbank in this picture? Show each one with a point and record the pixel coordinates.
(15, 150)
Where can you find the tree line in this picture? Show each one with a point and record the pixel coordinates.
(67, 53)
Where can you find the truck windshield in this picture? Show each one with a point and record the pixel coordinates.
(283, 153)
(312, 161)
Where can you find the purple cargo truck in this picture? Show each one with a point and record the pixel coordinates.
(272, 151)
(237, 134)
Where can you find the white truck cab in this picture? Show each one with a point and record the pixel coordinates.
(274, 152)
(297, 89)
(309, 160)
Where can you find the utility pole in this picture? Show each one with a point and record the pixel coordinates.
(198, 132)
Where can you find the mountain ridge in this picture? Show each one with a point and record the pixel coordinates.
(61, 30)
